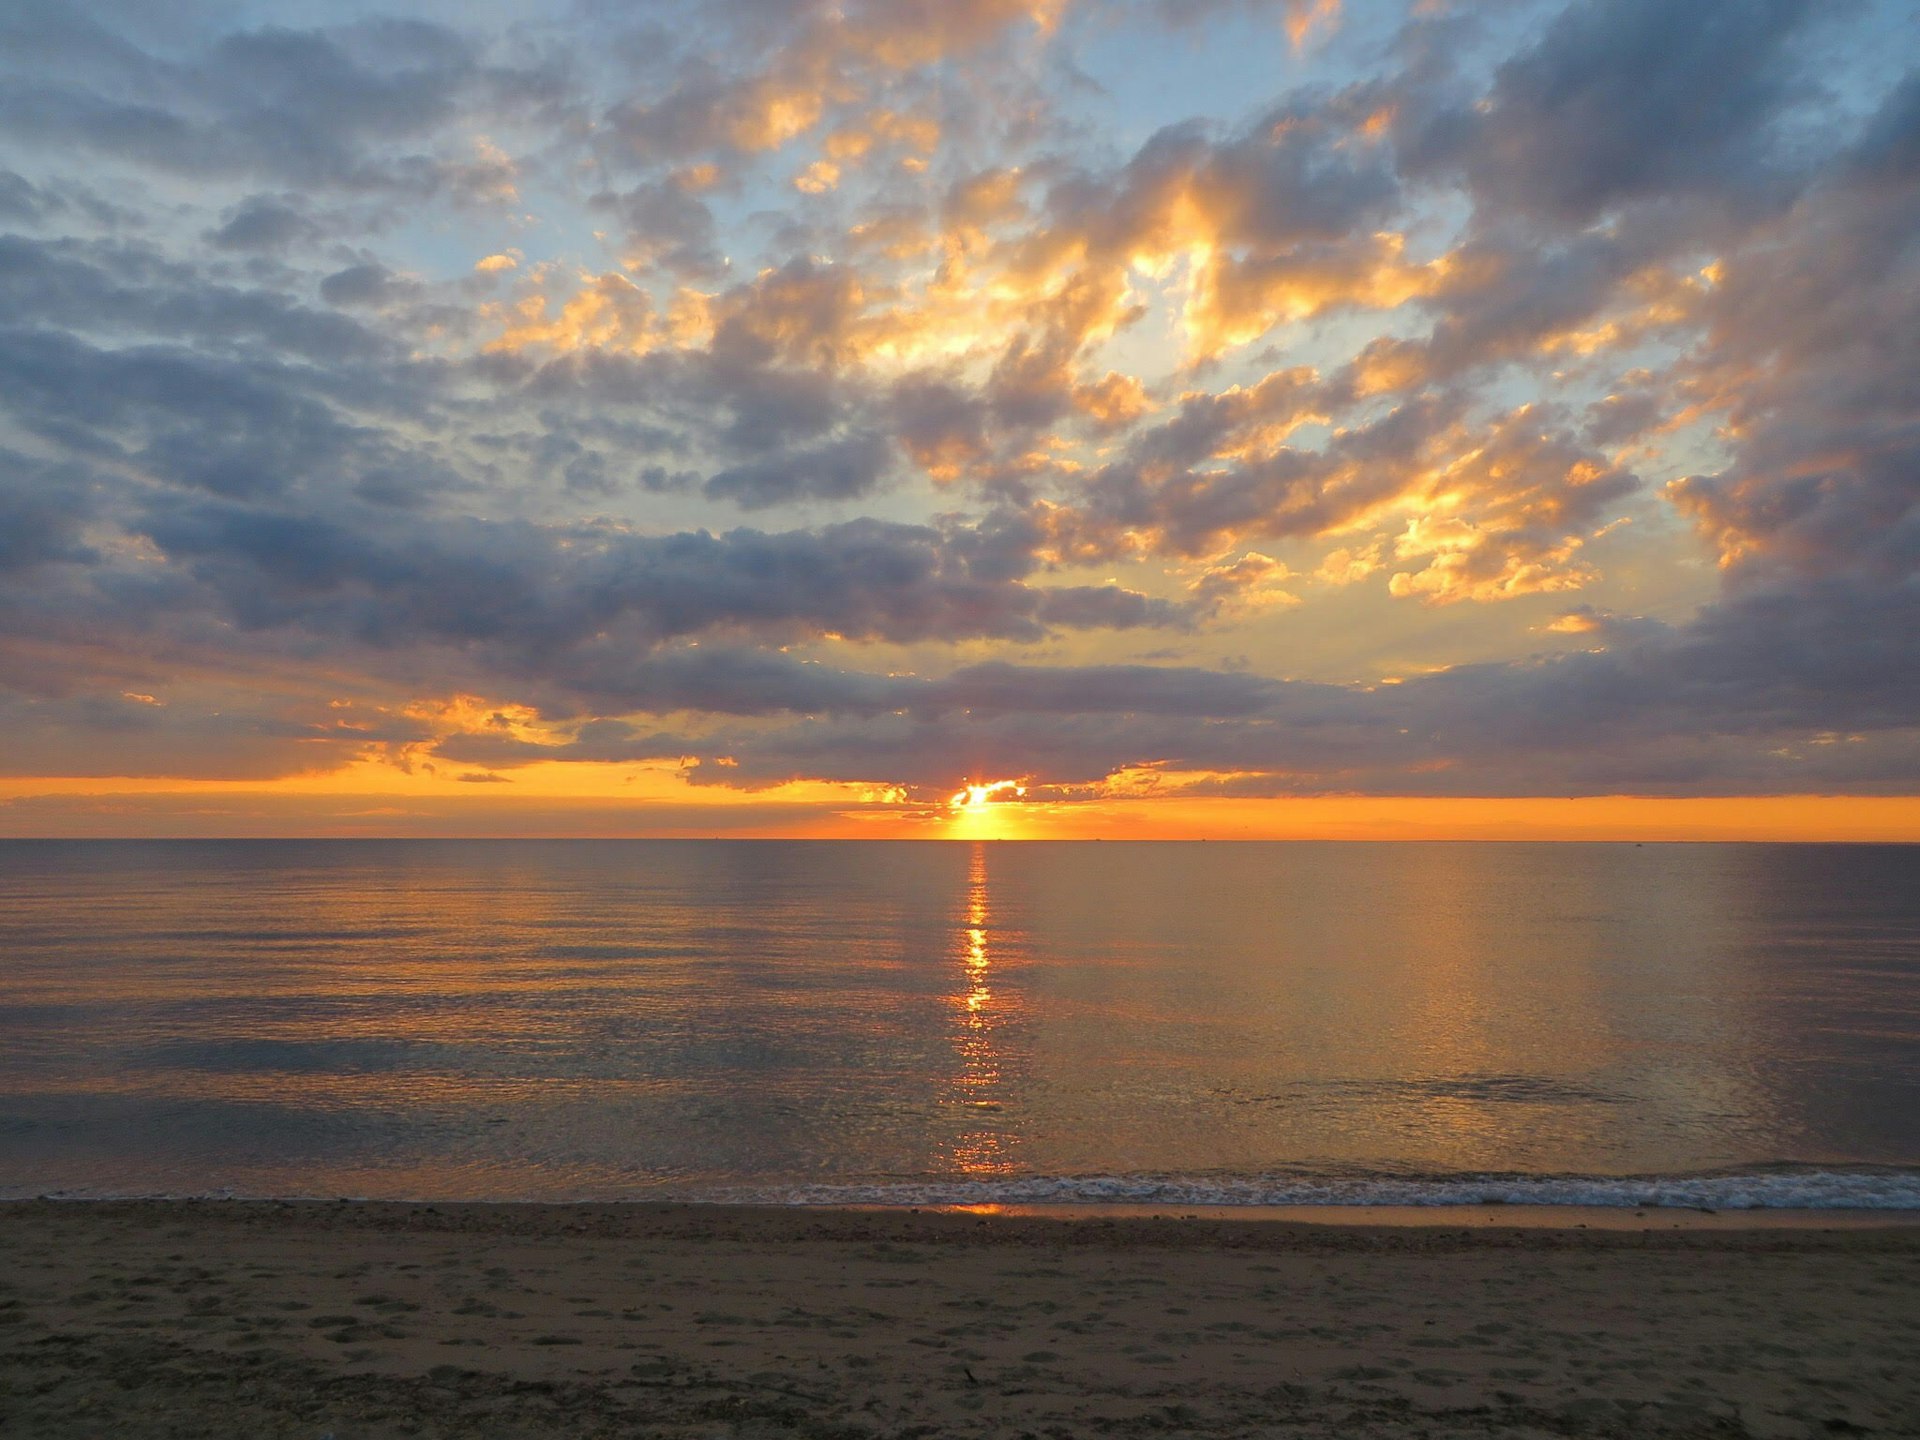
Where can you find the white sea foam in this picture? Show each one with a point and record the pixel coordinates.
(1796, 1189)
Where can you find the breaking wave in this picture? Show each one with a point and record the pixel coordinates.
(1781, 1188)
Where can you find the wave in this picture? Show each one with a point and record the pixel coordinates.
(1759, 1187)
(1785, 1188)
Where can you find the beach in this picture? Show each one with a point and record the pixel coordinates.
(149, 1318)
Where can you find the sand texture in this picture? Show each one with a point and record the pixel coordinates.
(137, 1319)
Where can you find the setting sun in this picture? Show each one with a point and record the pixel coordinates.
(974, 797)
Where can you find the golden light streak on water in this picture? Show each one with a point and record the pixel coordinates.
(981, 1147)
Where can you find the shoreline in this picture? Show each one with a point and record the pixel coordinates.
(1466, 1217)
(1529, 1217)
(370, 1319)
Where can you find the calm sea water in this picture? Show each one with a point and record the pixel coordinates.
(812, 1021)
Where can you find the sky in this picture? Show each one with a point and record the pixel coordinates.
(960, 418)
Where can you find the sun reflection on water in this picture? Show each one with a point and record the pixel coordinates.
(981, 1145)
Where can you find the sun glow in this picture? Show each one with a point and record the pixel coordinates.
(975, 797)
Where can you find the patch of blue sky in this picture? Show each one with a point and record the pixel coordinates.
(1863, 50)
(1143, 77)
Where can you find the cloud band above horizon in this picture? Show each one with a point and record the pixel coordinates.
(839, 404)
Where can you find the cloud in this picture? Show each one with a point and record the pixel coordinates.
(942, 425)
(667, 225)
(263, 222)
(1302, 19)
(1478, 507)
(43, 508)
(1280, 222)
(806, 62)
(1647, 718)
(357, 108)
(224, 735)
(369, 285)
(1510, 516)
(65, 289)
(598, 741)
(1812, 340)
(843, 469)
(1627, 101)
(422, 362)
(532, 593)
(23, 202)
(1245, 586)
(230, 427)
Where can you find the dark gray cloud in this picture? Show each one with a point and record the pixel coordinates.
(233, 427)
(1818, 516)
(1672, 714)
(1001, 688)
(843, 469)
(697, 115)
(263, 222)
(369, 284)
(943, 425)
(747, 682)
(532, 591)
(1628, 136)
(772, 380)
(333, 109)
(715, 679)
(90, 287)
(42, 510)
(229, 735)
(68, 288)
(923, 733)
(602, 742)
(1623, 101)
(21, 201)
(666, 225)
(740, 682)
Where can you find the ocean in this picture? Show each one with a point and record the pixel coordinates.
(929, 1023)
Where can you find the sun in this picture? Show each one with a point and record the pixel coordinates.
(989, 810)
(978, 797)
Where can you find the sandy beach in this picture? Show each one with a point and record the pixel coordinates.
(314, 1319)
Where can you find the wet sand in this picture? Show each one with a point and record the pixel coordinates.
(228, 1318)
